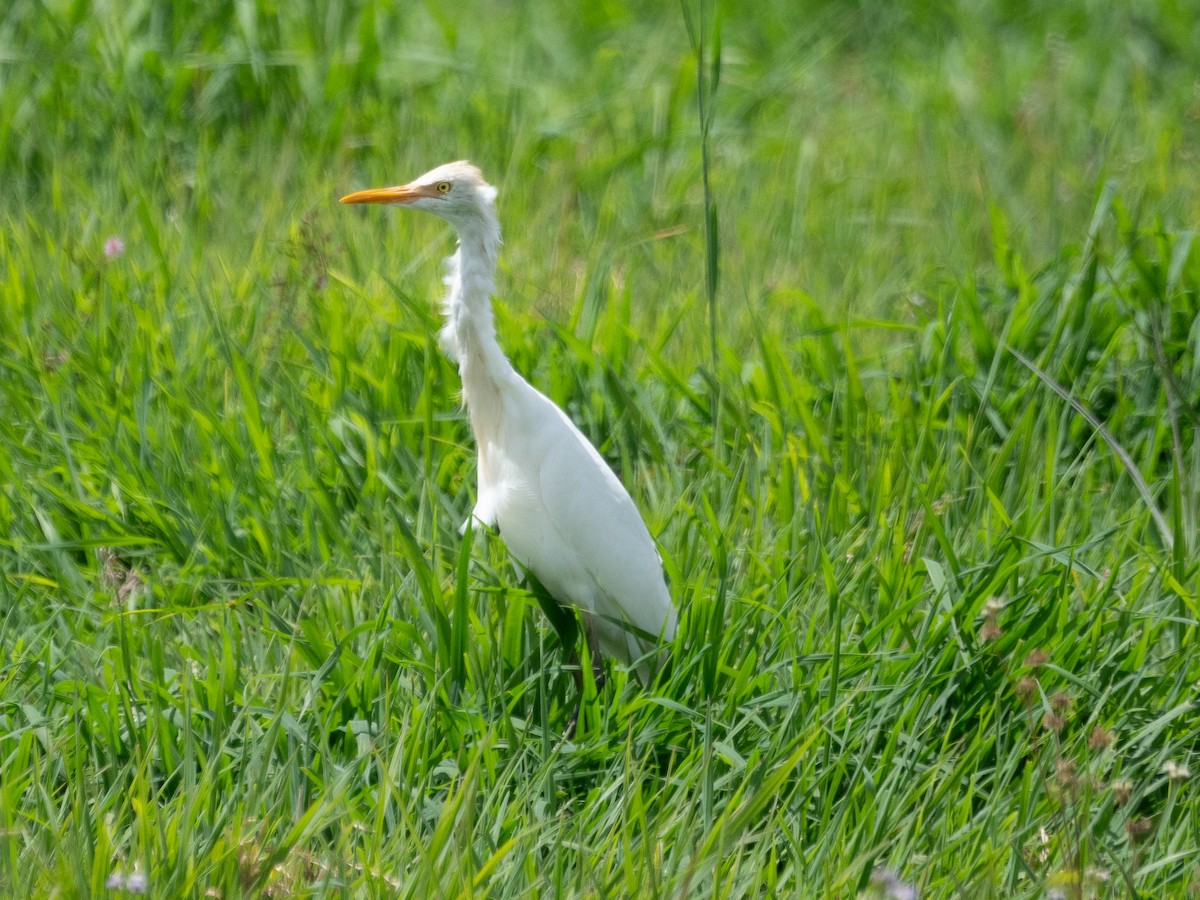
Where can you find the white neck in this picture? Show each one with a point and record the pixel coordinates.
(469, 335)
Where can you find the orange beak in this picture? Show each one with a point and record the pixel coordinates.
(405, 193)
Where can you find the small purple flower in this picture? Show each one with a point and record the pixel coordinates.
(135, 882)
(113, 247)
(891, 887)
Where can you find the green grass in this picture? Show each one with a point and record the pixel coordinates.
(929, 513)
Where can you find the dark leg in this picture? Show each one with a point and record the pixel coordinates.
(598, 673)
(565, 620)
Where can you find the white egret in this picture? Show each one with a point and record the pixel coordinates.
(558, 506)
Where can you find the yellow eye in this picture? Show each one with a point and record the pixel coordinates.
(443, 187)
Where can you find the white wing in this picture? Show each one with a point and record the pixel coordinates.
(565, 516)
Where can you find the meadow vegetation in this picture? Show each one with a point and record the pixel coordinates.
(928, 505)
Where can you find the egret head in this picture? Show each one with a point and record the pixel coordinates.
(455, 192)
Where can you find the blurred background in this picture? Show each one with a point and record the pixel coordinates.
(861, 151)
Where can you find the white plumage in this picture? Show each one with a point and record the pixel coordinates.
(559, 508)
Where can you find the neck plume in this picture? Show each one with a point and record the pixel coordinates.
(469, 335)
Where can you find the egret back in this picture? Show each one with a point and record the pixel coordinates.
(567, 518)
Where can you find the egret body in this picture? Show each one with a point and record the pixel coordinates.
(558, 506)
